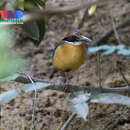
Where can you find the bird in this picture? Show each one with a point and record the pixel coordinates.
(69, 54)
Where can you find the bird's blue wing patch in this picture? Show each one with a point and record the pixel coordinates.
(60, 43)
(53, 54)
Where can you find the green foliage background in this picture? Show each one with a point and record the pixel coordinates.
(10, 60)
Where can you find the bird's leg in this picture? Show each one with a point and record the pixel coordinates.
(66, 80)
(99, 71)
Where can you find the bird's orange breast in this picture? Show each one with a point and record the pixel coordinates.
(69, 57)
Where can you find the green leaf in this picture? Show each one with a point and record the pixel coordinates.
(41, 26)
(30, 5)
(41, 3)
(35, 31)
(9, 78)
(8, 96)
(34, 4)
(92, 10)
(3, 5)
(32, 29)
(110, 98)
(34, 86)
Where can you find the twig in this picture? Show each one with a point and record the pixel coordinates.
(98, 68)
(60, 125)
(83, 19)
(38, 15)
(122, 75)
(66, 124)
(99, 83)
(119, 42)
(99, 41)
(34, 104)
(114, 28)
(72, 88)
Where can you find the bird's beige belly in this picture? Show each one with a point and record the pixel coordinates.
(69, 57)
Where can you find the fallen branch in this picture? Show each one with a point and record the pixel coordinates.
(41, 14)
(72, 88)
(105, 36)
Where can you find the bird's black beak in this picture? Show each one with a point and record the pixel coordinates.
(83, 38)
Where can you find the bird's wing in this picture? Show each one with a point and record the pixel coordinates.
(58, 44)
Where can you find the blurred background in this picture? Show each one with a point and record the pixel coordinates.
(93, 22)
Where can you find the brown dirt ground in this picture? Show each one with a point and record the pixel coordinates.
(52, 111)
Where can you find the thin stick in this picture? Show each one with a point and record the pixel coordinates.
(99, 83)
(105, 36)
(66, 124)
(122, 75)
(34, 105)
(83, 19)
(114, 28)
(119, 41)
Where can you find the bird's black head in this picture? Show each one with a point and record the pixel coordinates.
(75, 36)
(71, 38)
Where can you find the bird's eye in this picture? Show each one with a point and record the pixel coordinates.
(71, 39)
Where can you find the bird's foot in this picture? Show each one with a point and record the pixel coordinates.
(65, 87)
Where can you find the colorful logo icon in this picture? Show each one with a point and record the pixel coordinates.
(11, 17)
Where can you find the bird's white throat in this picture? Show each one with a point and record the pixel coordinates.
(75, 43)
